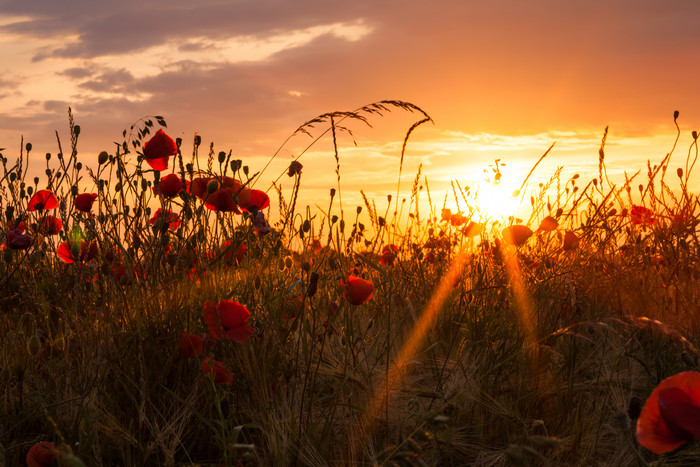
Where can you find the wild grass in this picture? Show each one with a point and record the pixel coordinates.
(471, 351)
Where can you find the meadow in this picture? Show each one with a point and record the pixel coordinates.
(155, 311)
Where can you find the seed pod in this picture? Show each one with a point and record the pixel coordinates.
(34, 345)
(102, 158)
(288, 263)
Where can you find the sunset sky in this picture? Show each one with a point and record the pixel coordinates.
(501, 79)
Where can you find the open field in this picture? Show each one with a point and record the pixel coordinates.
(173, 319)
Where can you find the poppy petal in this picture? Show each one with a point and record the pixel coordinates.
(241, 333)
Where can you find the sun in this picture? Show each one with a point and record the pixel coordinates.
(495, 200)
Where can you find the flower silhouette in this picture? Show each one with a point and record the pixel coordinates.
(516, 234)
(671, 415)
(191, 345)
(167, 216)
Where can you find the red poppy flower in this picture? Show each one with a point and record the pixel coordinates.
(472, 229)
(168, 216)
(641, 215)
(548, 224)
(198, 187)
(50, 225)
(250, 199)
(389, 254)
(71, 251)
(16, 240)
(228, 253)
(43, 199)
(191, 345)
(228, 318)
(516, 234)
(42, 454)
(294, 168)
(457, 220)
(158, 150)
(446, 214)
(570, 241)
(216, 368)
(84, 201)
(357, 290)
(169, 186)
(671, 415)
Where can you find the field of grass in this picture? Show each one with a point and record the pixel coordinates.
(437, 340)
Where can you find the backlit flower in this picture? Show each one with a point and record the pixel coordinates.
(548, 224)
(389, 254)
(50, 225)
(84, 201)
(43, 199)
(516, 234)
(228, 319)
(357, 290)
(167, 216)
(169, 186)
(158, 150)
(233, 254)
(570, 241)
(42, 454)
(251, 200)
(71, 251)
(641, 215)
(671, 415)
(218, 370)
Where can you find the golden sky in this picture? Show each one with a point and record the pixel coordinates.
(501, 79)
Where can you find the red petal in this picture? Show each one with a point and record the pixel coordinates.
(211, 317)
(357, 290)
(241, 333)
(232, 314)
(652, 429)
(43, 199)
(159, 163)
(64, 253)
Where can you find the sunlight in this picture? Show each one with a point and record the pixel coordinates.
(495, 201)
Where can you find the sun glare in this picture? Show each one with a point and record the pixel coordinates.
(495, 201)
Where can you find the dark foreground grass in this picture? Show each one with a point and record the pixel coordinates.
(489, 348)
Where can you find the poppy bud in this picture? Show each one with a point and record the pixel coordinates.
(334, 219)
(212, 186)
(30, 190)
(313, 285)
(634, 408)
(306, 226)
(679, 171)
(695, 134)
(76, 130)
(28, 147)
(78, 165)
(245, 169)
(197, 140)
(280, 264)
(675, 114)
(48, 156)
(288, 262)
(332, 192)
(222, 157)
(34, 345)
(359, 209)
(102, 158)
